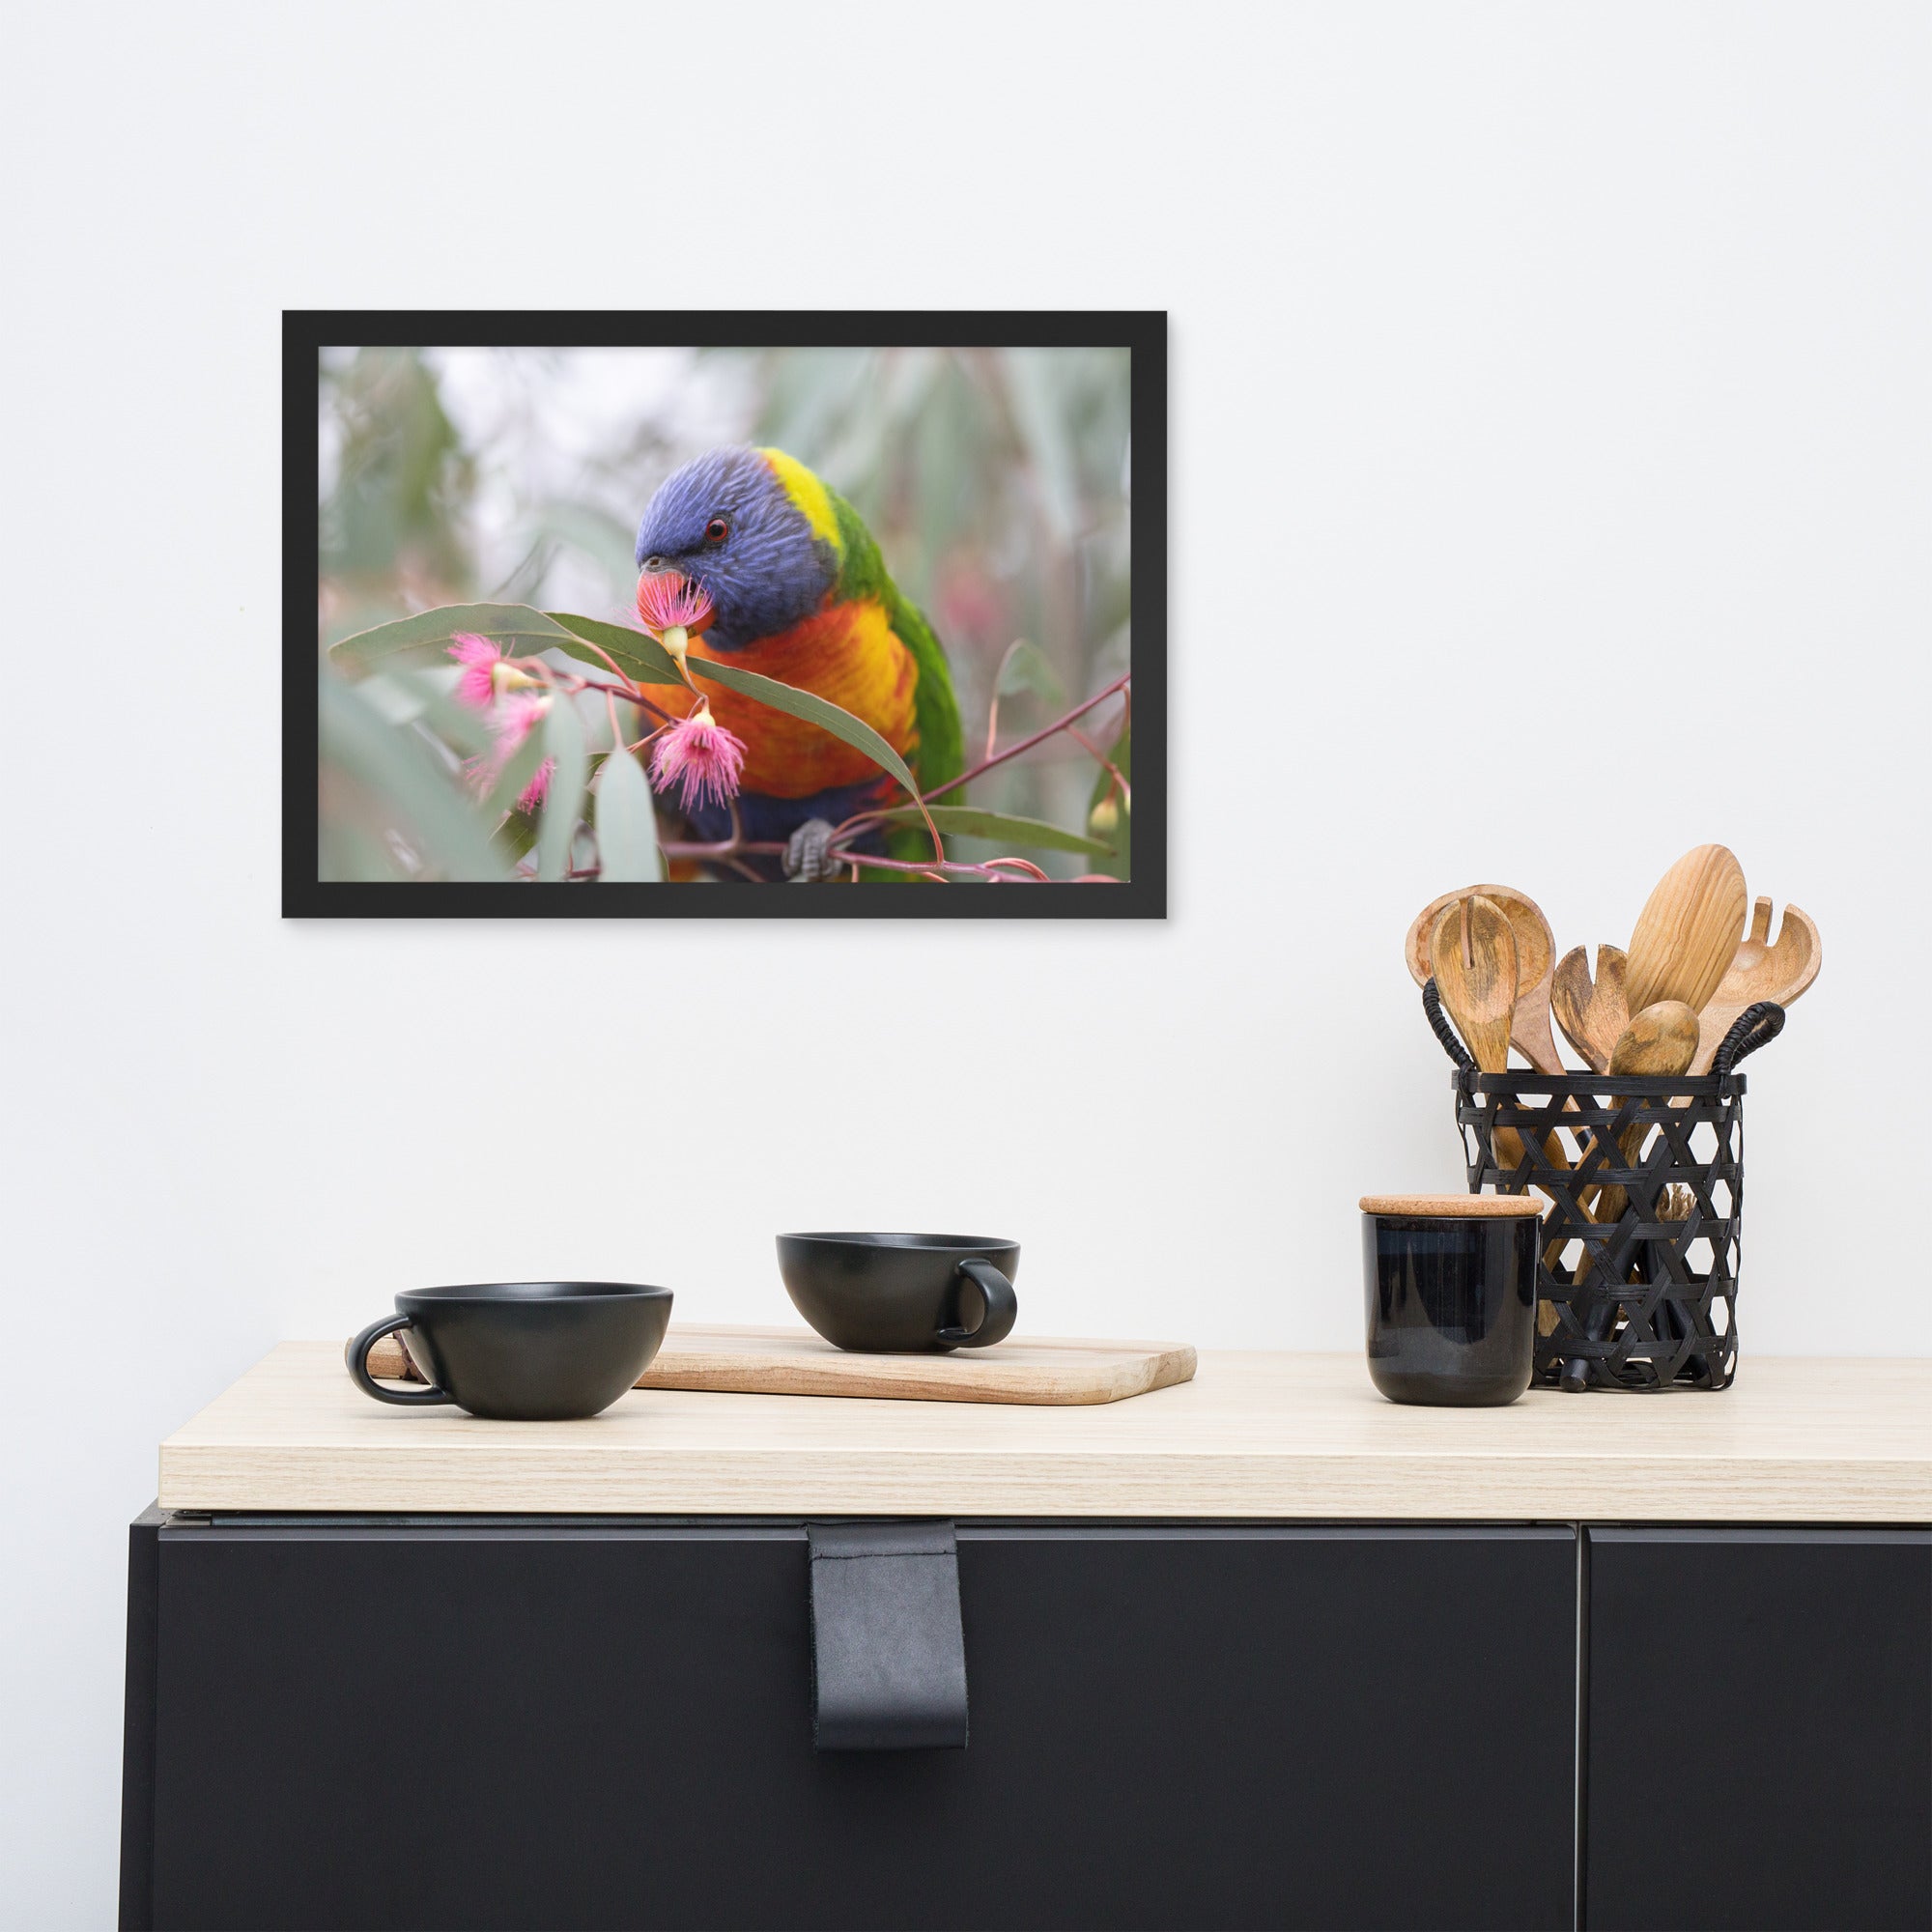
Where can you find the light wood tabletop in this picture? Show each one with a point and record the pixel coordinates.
(1252, 1435)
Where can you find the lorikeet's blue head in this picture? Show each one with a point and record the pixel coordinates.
(756, 529)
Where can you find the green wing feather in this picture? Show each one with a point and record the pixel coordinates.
(941, 753)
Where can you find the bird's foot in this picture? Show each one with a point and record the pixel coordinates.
(808, 853)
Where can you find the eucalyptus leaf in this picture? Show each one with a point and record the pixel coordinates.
(1027, 668)
(516, 835)
(642, 658)
(382, 782)
(433, 705)
(968, 821)
(1121, 753)
(813, 709)
(562, 740)
(513, 780)
(593, 531)
(627, 842)
(424, 638)
(394, 700)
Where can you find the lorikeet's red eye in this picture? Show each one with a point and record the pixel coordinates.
(717, 530)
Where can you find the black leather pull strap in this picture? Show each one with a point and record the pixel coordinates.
(888, 1656)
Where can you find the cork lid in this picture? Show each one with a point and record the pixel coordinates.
(1457, 1207)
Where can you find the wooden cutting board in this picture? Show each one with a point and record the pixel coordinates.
(794, 1361)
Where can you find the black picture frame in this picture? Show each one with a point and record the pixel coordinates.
(305, 332)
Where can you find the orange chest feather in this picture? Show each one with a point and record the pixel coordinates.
(849, 654)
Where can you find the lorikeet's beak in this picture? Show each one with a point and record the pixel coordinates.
(672, 608)
(668, 600)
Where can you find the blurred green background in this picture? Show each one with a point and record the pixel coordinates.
(997, 481)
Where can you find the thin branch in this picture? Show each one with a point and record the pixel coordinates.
(1027, 744)
(627, 693)
(861, 821)
(729, 850)
(993, 709)
(673, 848)
(987, 869)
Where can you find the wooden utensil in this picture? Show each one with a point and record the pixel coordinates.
(1688, 932)
(1473, 959)
(794, 1361)
(1535, 962)
(1472, 956)
(1592, 1013)
(1660, 1042)
(1760, 969)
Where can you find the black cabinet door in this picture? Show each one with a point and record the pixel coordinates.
(1760, 1729)
(570, 1724)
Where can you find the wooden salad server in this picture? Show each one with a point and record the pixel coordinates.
(1760, 969)
(1593, 1015)
(1473, 958)
(1535, 962)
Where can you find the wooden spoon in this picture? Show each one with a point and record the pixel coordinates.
(1660, 1042)
(1592, 1016)
(1688, 932)
(1535, 962)
(1760, 970)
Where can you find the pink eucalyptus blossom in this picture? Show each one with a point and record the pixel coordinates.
(479, 659)
(670, 600)
(513, 720)
(700, 759)
(487, 673)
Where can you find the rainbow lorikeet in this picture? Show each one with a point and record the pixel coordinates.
(801, 594)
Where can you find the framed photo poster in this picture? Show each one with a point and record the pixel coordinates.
(665, 614)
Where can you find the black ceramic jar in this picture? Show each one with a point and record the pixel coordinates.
(1450, 1281)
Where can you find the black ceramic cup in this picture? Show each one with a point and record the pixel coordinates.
(520, 1350)
(902, 1295)
(1451, 1288)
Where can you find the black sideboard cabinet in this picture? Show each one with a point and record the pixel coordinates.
(607, 1723)
(1759, 1729)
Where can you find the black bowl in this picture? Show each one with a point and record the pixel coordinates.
(523, 1351)
(902, 1295)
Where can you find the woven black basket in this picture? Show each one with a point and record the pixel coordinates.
(1647, 1300)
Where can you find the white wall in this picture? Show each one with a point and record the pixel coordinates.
(1550, 481)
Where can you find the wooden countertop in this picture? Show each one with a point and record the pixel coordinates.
(1252, 1435)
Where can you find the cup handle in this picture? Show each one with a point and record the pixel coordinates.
(356, 1355)
(1002, 1307)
